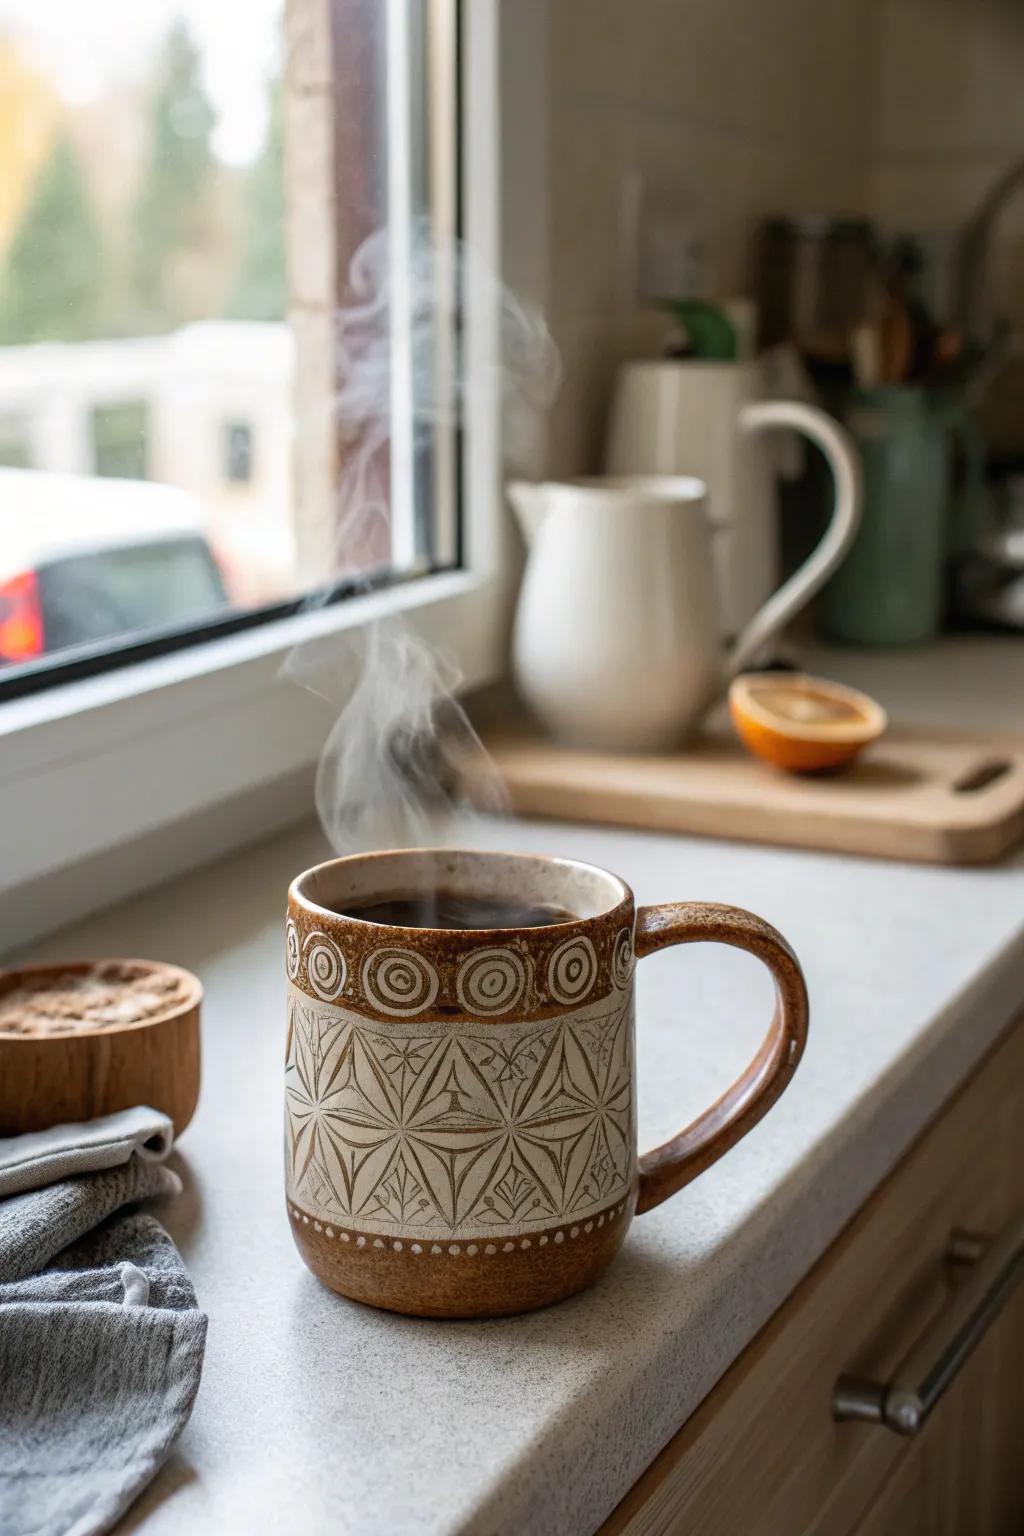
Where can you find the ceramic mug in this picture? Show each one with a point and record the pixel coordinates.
(461, 1103)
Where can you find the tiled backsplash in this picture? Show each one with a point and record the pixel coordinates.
(947, 118)
(901, 109)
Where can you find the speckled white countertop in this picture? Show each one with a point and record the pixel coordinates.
(318, 1415)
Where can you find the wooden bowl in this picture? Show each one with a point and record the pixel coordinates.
(72, 1067)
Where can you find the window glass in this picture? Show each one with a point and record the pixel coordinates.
(119, 438)
(238, 452)
(145, 336)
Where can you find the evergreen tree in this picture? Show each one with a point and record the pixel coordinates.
(52, 288)
(170, 223)
(261, 290)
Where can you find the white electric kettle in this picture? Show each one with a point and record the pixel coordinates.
(687, 416)
(617, 642)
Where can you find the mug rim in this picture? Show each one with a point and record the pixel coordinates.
(298, 895)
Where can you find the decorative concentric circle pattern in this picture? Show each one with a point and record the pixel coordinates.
(399, 981)
(572, 970)
(491, 981)
(325, 966)
(291, 949)
(622, 958)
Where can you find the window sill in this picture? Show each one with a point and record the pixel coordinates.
(97, 767)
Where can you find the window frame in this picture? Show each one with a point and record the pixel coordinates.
(207, 747)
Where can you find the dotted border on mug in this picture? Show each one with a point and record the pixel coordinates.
(448, 1247)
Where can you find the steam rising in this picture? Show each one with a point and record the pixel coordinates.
(389, 774)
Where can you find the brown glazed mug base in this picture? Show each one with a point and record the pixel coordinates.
(481, 1277)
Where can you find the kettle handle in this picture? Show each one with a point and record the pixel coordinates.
(837, 446)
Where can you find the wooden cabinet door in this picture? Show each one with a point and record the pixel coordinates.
(762, 1456)
(965, 1475)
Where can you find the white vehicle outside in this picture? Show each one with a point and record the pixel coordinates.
(85, 559)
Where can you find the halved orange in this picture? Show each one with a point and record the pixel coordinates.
(802, 723)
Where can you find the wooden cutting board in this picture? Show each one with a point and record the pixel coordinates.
(934, 796)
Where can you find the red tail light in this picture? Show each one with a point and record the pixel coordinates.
(21, 618)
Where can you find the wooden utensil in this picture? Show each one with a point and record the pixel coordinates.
(866, 355)
(897, 338)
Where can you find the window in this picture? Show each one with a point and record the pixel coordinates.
(144, 333)
(120, 435)
(238, 452)
(15, 443)
(118, 775)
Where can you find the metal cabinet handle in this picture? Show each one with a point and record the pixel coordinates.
(904, 1403)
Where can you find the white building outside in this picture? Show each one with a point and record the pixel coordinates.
(206, 408)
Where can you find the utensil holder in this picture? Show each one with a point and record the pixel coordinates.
(888, 591)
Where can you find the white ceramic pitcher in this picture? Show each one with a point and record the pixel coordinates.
(617, 635)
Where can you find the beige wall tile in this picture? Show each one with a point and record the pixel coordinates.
(948, 95)
(1006, 277)
(643, 333)
(696, 58)
(590, 353)
(783, 180)
(947, 75)
(701, 121)
(996, 88)
(903, 110)
(939, 193)
(591, 46)
(811, 76)
(586, 209)
(708, 166)
(939, 196)
(922, 57)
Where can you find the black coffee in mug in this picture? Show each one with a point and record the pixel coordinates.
(449, 909)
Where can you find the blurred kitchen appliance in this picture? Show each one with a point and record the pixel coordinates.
(988, 565)
(814, 279)
(703, 418)
(973, 296)
(988, 586)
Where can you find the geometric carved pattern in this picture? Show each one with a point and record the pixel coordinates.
(425, 1128)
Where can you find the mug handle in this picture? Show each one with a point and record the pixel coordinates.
(669, 1167)
(838, 447)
